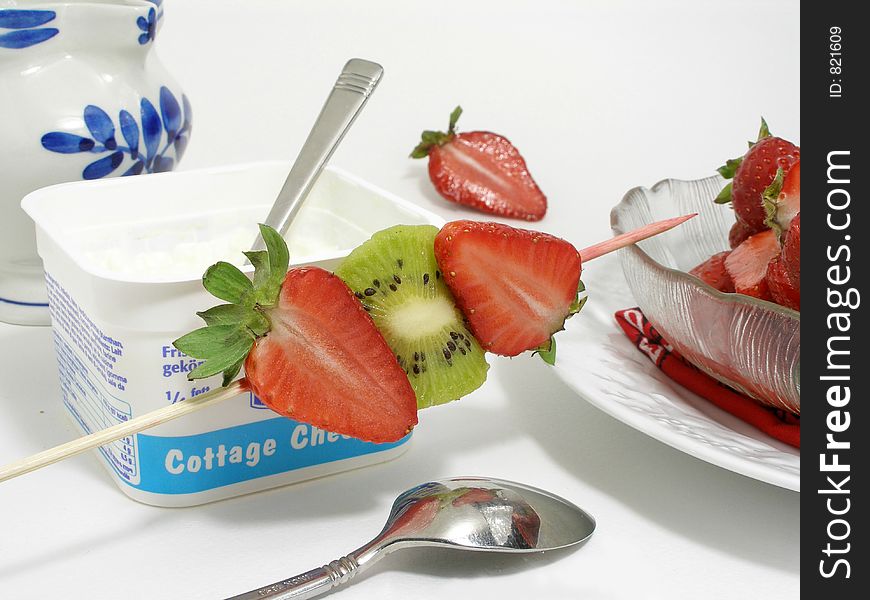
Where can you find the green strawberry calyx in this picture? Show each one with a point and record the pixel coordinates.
(231, 329)
(770, 197)
(731, 165)
(430, 139)
(547, 350)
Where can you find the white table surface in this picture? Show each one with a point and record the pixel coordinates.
(599, 97)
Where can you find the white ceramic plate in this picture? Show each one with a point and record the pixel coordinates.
(602, 365)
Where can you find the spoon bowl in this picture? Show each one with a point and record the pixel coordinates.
(484, 515)
(469, 513)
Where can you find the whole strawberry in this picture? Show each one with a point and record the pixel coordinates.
(482, 170)
(753, 173)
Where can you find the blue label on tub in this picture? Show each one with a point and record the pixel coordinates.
(195, 463)
(94, 379)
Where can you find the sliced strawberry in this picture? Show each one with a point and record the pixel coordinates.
(323, 362)
(712, 272)
(309, 349)
(782, 198)
(791, 251)
(782, 290)
(515, 287)
(739, 232)
(482, 170)
(753, 173)
(747, 264)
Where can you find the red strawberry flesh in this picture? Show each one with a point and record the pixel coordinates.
(791, 251)
(712, 272)
(323, 362)
(747, 264)
(485, 171)
(514, 286)
(755, 173)
(782, 290)
(739, 232)
(788, 205)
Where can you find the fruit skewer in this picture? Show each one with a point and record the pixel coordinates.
(233, 388)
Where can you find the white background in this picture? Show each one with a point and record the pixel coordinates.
(599, 97)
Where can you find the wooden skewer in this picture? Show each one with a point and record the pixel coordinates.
(631, 237)
(185, 407)
(121, 430)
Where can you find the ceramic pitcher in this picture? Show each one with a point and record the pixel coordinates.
(82, 96)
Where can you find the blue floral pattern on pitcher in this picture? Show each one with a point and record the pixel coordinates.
(148, 25)
(26, 26)
(146, 147)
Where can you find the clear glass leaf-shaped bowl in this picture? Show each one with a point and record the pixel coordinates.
(751, 345)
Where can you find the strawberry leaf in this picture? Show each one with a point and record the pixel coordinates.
(206, 342)
(236, 314)
(260, 260)
(421, 150)
(227, 282)
(231, 329)
(231, 372)
(432, 137)
(279, 261)
(454, 117)
(429, 139)
(724, 196)
(730, 167)
(547, 352)
(763, 131)
(225, 314)
(270, 267)
(229, 357)
(579, 301)
(770, 197)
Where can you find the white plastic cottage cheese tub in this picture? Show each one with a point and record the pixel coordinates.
(123, 261)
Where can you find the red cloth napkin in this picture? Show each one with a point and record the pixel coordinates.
(777, 423)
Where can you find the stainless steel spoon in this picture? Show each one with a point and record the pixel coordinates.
(357, 81)
(467, 513)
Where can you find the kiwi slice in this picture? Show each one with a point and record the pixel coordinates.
(395, 276)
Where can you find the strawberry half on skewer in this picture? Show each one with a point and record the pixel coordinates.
(309, 349)
(517, 287)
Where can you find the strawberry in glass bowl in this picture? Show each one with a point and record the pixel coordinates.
(724, 289)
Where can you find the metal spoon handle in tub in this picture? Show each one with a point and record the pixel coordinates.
(352, 89)
(470, 513)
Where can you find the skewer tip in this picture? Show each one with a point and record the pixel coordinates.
(632, 237)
